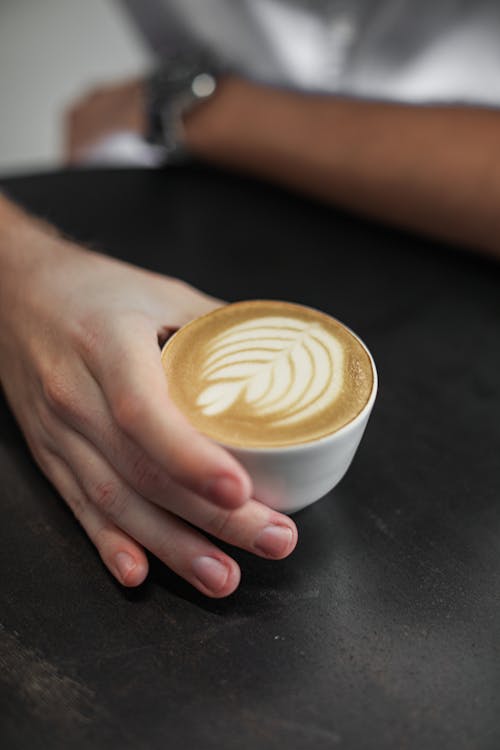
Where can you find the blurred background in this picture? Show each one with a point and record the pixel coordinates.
(53, 51)
(50, 51)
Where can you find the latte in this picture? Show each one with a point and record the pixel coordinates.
(267, 374)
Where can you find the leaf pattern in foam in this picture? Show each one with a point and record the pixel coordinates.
(281, 368)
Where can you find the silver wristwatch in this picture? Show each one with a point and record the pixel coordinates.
(173, 89)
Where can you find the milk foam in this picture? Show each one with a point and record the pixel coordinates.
(279, 368)
(265, 373)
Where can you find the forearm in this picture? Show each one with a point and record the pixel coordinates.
(24, 240)
(432, 169)
(29, 248)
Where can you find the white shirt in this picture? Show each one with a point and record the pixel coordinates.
(410, 50)
(417, 51)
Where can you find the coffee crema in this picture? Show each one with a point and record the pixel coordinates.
(267, 374)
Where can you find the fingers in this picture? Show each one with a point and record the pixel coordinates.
(181, 548)
(253, 527)
(176, 301)
(124, 558)
(134, 385)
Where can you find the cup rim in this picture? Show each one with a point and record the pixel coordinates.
(331, 437)
(295, 447)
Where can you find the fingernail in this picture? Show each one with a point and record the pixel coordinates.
(212, 573)
(226, 491)
(125, 563)
(274, 540)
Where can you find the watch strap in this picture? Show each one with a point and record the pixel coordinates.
(173, 89)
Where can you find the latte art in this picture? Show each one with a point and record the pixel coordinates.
(279, 368)
(263, 374)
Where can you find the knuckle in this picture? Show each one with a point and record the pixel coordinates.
(89, 336)
(59, 394)
(219, 525)
(146, 475)
(128, 411)
(109, 499)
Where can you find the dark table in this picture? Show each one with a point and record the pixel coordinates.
(383, 628)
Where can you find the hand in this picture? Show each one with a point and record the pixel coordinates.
(101, 112)
(80, 366)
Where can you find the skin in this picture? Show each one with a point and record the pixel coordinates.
(121, 456)
(433, 169)
(80, 367)
(101, 112)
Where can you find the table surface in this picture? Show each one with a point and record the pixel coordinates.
(382, 630)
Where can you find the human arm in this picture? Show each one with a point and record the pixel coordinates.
(80, 368)
(432, 169)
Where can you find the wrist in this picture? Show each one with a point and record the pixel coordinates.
(208, 127)
(176, 87)
(240, 122)
(27, 245)
(26, 239)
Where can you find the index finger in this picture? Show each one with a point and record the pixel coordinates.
(128, 369)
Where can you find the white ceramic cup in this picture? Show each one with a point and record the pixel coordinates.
(290, 477)
(294, 476)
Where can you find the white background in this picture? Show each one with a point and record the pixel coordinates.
(50, 51)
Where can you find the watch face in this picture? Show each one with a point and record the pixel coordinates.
(203, 85)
